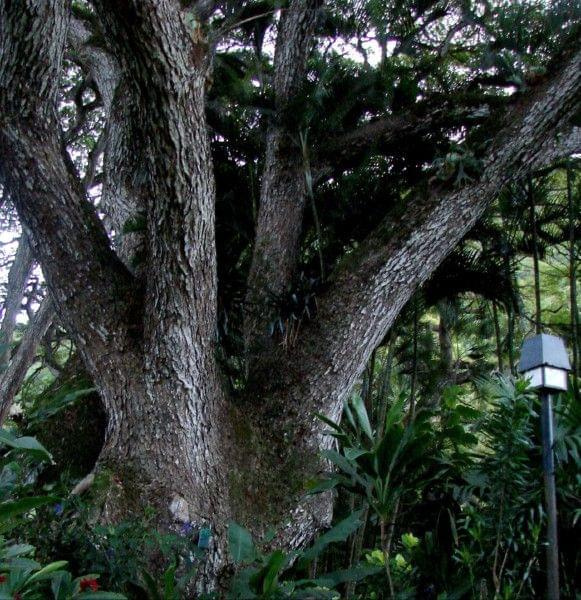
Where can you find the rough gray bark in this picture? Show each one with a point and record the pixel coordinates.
(12, 378)
(283, 192)
(17, 280)
(120, 197)
(100, 65)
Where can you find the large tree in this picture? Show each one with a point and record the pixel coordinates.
(141, 302)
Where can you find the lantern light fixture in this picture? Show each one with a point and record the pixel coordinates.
(545, 363)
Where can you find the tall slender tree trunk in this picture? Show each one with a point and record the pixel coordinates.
(12, 378)
(536, 271)
(17, 280)
(497, 337)
(573, 260)
(385, 387)
(414, 375)
(445, 340)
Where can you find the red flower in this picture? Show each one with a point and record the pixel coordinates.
(2, 578)
(89, 584)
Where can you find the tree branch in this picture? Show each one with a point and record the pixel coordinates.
(17, 280)
(90, 287)
(283, 193)
(120, 142)
(13, 377)
(387, 135)
(100, 66)
(368, 294)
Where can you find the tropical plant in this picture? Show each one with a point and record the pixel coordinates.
(265, 574)
(383, 468)
(502, 518)
(20, 575)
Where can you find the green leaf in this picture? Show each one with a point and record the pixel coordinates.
(47, 570)
(354, 453)
(101, 596)
(20, 564)
(169, 582)
(17, 507)
(29, 444)
(150, 586)
(61, 585)
(340, 461)
(240, 543)
(339, 533)
(17, 550)
(395, 413)
(59, 402)
(362, 416)
(328, 422)
(273, 568)
(240, 587)
(316, 487)
(354, 574)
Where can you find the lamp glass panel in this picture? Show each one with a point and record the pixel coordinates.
(535, 377)
(555, 379)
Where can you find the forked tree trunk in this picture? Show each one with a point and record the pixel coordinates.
(174, 439)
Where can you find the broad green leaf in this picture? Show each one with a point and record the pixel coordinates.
(240, 543)
(101, 596)
(20, 564)
(17, 550)
(354, 453)
(169, 582)
(17, 507)
(29, 444)
(362, 415)
(61, 585)
(328, 422)
(339, 533)
(48, 569)
(340, 461)
(273, 568)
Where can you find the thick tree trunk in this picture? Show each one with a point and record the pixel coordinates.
(174, 438)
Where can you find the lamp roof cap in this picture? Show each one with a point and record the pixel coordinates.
(544, 350)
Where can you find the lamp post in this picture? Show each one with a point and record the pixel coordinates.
(544, 362)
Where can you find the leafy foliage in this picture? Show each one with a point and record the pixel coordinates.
(267, 573)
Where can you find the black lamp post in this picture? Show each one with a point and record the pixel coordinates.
(544, 362)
